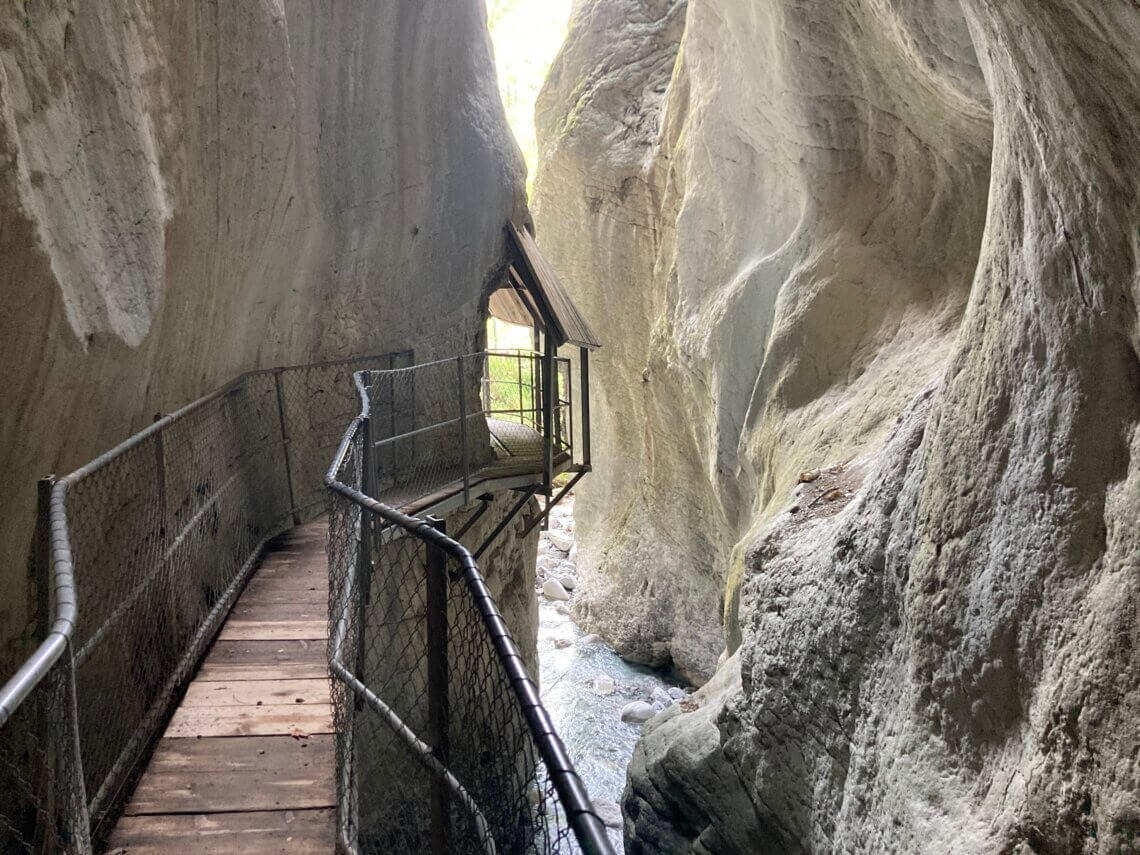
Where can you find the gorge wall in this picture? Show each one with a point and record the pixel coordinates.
(889, 251)
(190, 191)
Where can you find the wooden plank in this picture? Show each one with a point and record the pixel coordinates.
(225, 693)
(292, 569)
(288, 580)
(264, 594)
(301, 832)
(227, 774)
(265, 660)
(270, 630)
(279, 611)
(229, 777)
(302, 591)
(275, 592)
(250, 720)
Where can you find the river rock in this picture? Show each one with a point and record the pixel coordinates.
(676, 693)
(661, 696)
(561, 542)
(569, 582)
(609, 813)
(552, 589)
(603, 685)
(591, 638)
(562, 643)
(637, 712)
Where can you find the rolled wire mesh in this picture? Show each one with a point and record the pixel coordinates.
(163, 533)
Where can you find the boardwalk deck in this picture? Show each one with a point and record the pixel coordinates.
(247, 762)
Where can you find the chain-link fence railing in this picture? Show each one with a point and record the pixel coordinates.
(150, 545)
(442, 742)
(440, 426)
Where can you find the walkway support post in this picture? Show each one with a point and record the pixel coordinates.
(584, 353)
(285, 448)
(47, 730)
(439, 707)
(41, 557)
(367, 541)
(518, 363)
(549, 384)
(464, 451)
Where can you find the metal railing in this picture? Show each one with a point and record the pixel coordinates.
(443, 425)
(442, 742)
(140, 555)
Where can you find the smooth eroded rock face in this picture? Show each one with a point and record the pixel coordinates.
(897, 244)
(192, 191)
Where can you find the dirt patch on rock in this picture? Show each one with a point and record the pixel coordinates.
(822, 493)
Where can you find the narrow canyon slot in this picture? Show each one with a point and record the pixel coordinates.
(570, 426)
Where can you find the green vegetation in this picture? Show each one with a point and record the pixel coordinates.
(527, 35)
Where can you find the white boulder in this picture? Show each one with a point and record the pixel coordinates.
(552, 589)
(609, 813)
(637, 712)
(560, 541)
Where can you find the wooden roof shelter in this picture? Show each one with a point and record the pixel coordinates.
(533, 294)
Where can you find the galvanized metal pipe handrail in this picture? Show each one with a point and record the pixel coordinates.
(64, 600)
(420, 749)
(584, 821)
(65, 607)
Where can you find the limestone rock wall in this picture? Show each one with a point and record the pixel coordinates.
(894, 242)
(188, 191)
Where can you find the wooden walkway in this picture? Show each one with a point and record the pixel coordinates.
(246, 764)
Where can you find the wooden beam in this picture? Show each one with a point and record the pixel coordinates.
(301, 832)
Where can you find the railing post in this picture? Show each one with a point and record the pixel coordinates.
(518, 363)
(285, 449)
(41, 557)
(569, 408)
(585, 354)
(160, 478)
(46, 732)
(364, 558)
(463, 433)
(550, 381)
(439, 707)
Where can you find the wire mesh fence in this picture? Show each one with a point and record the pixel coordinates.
(44, 808)
(159, 535)
(442, 425)
(442, 742)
